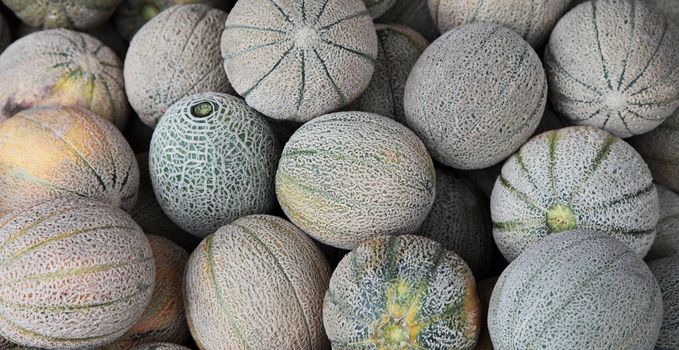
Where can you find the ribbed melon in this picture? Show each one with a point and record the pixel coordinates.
(660, 149)
(346, 177)
(402, 292)
(377, 8)
(62, 67)
(666, 272)
(666, 242)
(485, 291)
(50, 152)
(575, 177)
(75, 274)
(611, 64)
(81, 14)
(297, 60)
(256, 283)
(176, 54)
(475, 95)
(576, 290)
(414, 14)
(212, 160)
(160, 346)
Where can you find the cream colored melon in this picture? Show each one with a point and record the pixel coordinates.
(414, 14)
(666, 271)
(81, 14)
(666, 242)
(660, 150)
(160, 346)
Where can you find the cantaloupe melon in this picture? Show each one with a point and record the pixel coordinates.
(160, 346)
(660, 150)
(174, 55)
(611, 64)
(414, 14)
(666, 272)
(402, 292)
(576, 290)
(75, 274)
(349, 176)
(5, 34)
(575, 177)
(50, 152)
(104, 33)
(62, 67)
(81, 14)
(485, 291)
(257, 283)
(297, 60)
(667, 232)
(475, 95)
(377, 8)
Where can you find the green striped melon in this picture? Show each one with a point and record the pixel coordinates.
(611, 64)
(212, 160)
(256, 283)
(575, 177)
(377, 8)
(475, 95)
(485, 291)
(660, 149)
(160, 346)
(349, 176)
(666, 271)
(175, 54)
(414, 14)
(76, 274)
(62, 67)
(667, 232)
(402, 292)
(297, 60)
(50, 152)
(80, 14)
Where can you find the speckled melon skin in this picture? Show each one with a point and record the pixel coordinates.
(62, 67)
(50, 152)
(611, 64)
(377, 8)
(175, 54)
(414, 14)
(666, 272)
(76, 274)
(160, 346)
(408, 278)
(469, 115)
(47, 14)
(485, 290)
(346, 177)
(666, 242)
(297, 60)
(257, 283)
(660, 150)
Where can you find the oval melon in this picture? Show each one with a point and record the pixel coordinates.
(50, 152)
(666, 272)
(298, 62)
(160, 346)
(475, 95)
(62, 67)
(256, 283)
(377, 8)
(75, 274)
(81, 14)
(349, 176)
(660, 149)
(576, 290)
(402, 292)
(666, 242)
(414, 14)
(212, 160)
(175, 54)
(611, 64)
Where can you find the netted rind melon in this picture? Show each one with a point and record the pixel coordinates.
(666, 242)
(660, 150)
(62, 67)
(50, 152)
(297, 60)
(377, 8)
(666, 272)
(75, 274)
(611, 64)
(414, 14)
(257, 283)
(402, 292)
(81, 14)
(346, 177)
(160, 346)
(576, 290)
(175, 54)
(475, 95)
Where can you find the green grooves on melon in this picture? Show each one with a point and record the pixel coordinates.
(47, 14)
(666, 271)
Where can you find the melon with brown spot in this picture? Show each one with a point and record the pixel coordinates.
(402, 292)
(47, 14)
(414, 14)
(76, 274)
(666, 242)
(160, 346)
(660, 149)
(62, 67)
(666, 271)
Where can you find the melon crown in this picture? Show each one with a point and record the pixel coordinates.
(202, 109)
(399, 327)
(560, 217)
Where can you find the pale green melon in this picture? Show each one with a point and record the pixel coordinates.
(377, 8)
(160, 346)
(414, 14)
(660, 149)
(81, 14)
(666, 271)
(667, 238)
(485, 291)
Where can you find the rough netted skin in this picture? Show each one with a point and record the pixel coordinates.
(160, 346)
(611, 64)
(212, 160)
(299, 59)
(485, 290)
(402, 293)
(346, 177)
(48, 14)
(377, 8)
(104, 33)
(576, 290)
(257, 283)
(175, 54)
(475, 95)
(576, 177)
(414, 14)
(50, 152)
(660, 150)
(399, 49)
(76, 274)
(66, 68)
(666, 272)
(666, 242)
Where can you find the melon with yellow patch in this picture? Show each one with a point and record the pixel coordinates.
(80, 14)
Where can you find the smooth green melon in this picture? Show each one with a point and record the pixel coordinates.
(414, 14)
(666, 242)
(160, 346)
(377, 8)
(660, 150)
(47, 14)
(666, 272)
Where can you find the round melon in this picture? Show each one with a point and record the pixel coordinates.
(414, 14)
(485, 291)
(346, 177)
(62, 67)
(176, 54)
(5, 34)
(160, 346)
(402, 292)
(576, 290)
(399, 49)
(212, 160)
(256, 283)
(660, 150)
(104, 33)
(666, 272)
(475, 95)
(50, 152)
(75, 274)
(666, 242)
(377, 8)
(611, 64)
(80, 14)
(298, 60)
